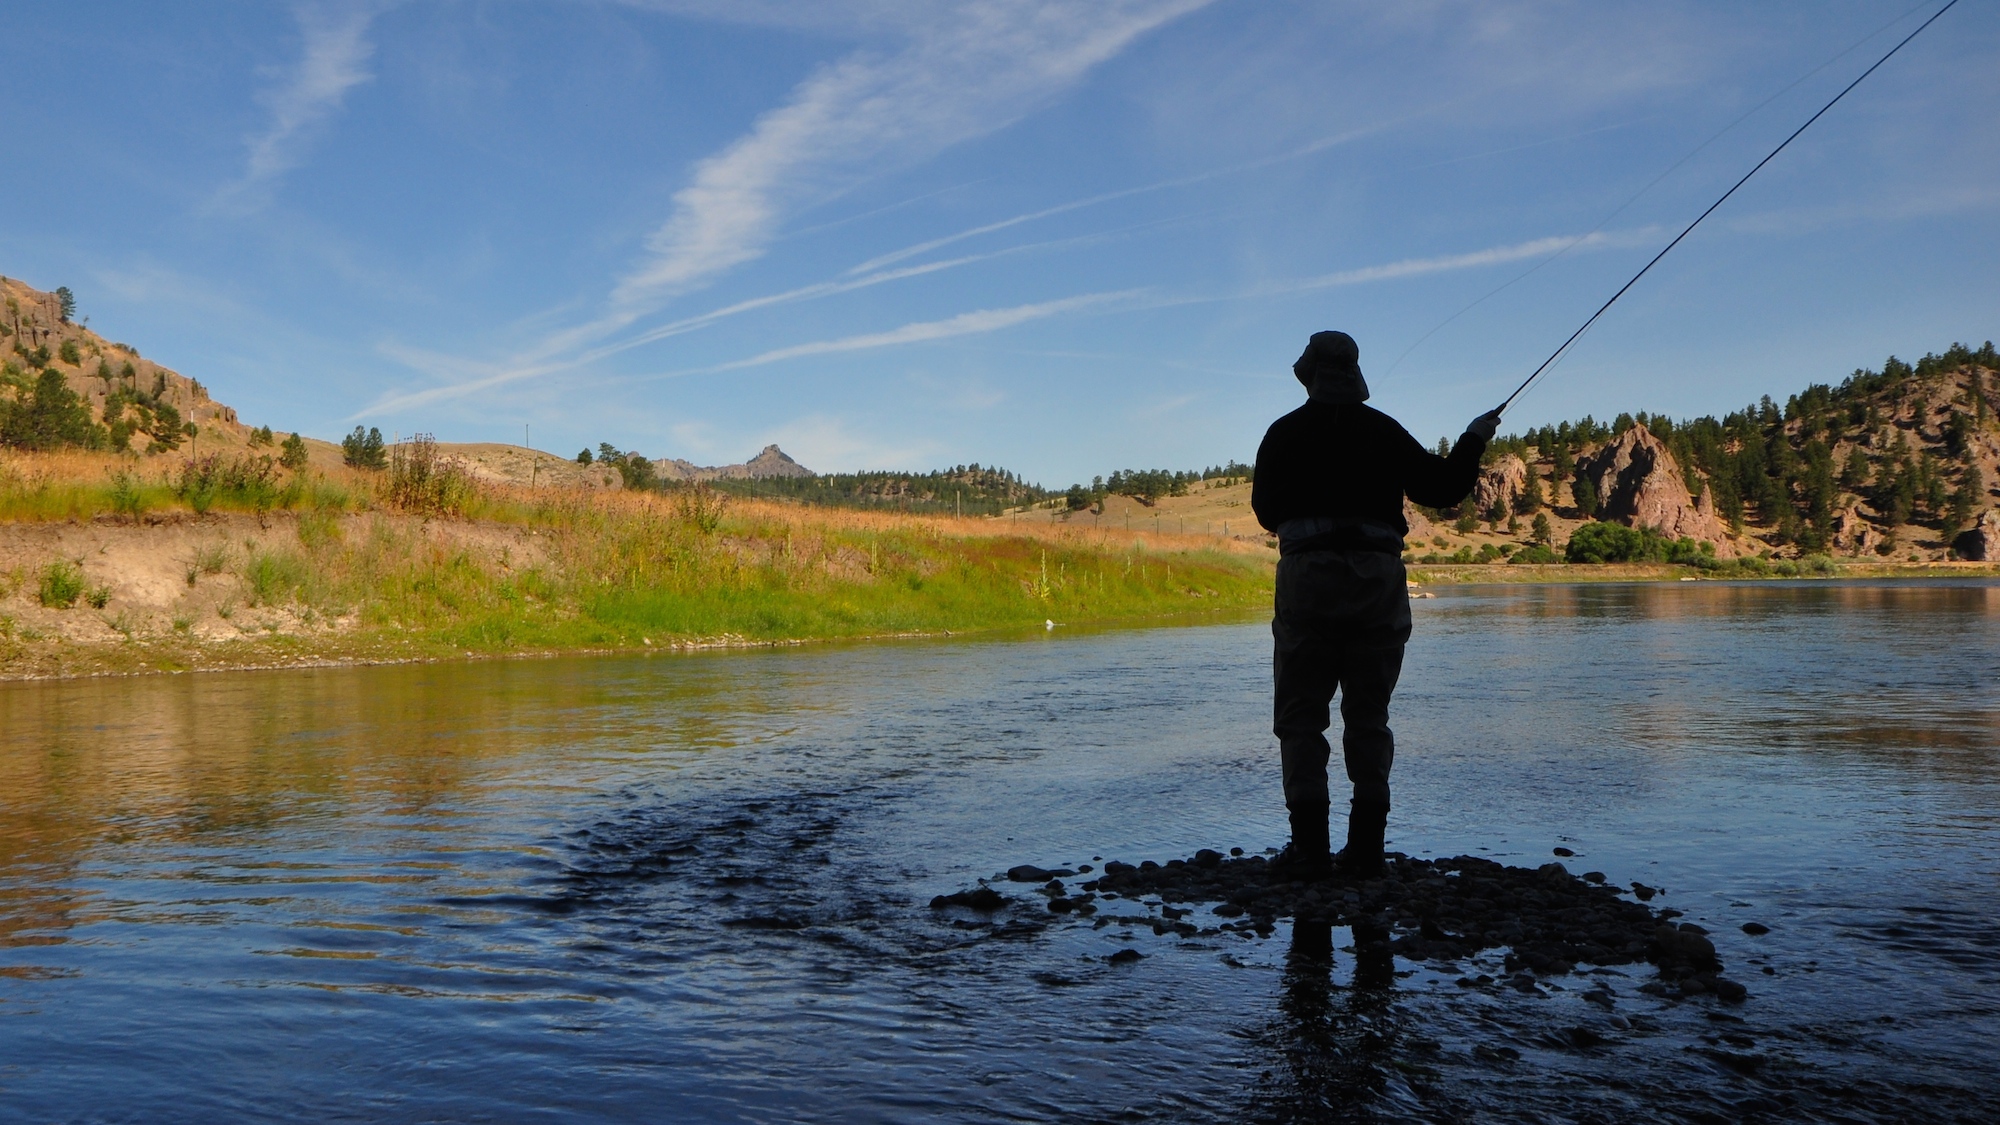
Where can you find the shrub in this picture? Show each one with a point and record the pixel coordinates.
(701, 507)
(274, 577)
(249, 481)
(261, 436)
(70, 354)
(1610, 542)
(98, 596)
(422, 481)
(1535, 553)
(127, 498)
(62, 584)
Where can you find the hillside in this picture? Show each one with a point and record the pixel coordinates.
(1897, 464)
(137, 404)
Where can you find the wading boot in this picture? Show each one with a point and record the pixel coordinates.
(1362, 857)
(1305, 859)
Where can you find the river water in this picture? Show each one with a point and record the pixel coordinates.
(694, 888)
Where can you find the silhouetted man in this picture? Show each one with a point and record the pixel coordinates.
(1331, 477)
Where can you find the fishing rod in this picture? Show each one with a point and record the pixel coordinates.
(1557, 354)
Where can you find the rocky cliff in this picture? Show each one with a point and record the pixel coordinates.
(1500, 484)
(36, 336)
(1639, 484)
(771, 462)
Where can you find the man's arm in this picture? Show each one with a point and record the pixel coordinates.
(1264, 485)
(1440, 482)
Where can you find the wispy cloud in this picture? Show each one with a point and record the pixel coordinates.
(964, 73)
(952, 72)
(333, 61)
(964, 324)
(1475, 259)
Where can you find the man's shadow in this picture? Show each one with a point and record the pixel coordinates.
(1333, 1045)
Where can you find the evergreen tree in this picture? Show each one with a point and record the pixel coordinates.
(1854, 475)
(364, 449)
(65, 304)
(292, 454)
(1530, 500)
(50, 417)
(1585, 494)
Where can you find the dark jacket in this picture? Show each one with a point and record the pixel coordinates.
(1351, 462)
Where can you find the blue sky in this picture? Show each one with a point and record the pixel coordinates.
(1062, 237)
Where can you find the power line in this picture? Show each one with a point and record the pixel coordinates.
(1557, 354)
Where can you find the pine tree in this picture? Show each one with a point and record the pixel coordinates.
(1530, 500)
(1585, 494)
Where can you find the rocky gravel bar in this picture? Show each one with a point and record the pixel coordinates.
(1439, 911)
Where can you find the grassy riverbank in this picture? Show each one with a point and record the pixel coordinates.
(106, 571)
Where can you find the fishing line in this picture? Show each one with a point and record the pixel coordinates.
(1650, 185)
(1557, 354)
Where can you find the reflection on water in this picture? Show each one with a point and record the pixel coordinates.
(694, 886)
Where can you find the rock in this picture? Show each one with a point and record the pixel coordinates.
(1421, 529)
(1640, 485)
(1125, 957)
(1643, 892)
(1061, 905)
(1756, 929)
(1728, 990)
(981, 898)
(1853, 533)
(1564, 852)
(1500, 484)
(1028, 873)
(1207, 858)
(1593, 876)
(1981, 542)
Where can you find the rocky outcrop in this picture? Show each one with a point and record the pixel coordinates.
(1421, 527)
(772, 462)
(1639, 484)
(1981, 543)
(1853, 533)
(1500, 484)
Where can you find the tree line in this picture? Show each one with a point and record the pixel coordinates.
(1777, 462)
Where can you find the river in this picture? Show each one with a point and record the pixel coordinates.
(694, 888)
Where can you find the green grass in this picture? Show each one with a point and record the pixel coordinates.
(617, 577)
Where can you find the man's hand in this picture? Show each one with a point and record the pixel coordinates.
(1486, 425)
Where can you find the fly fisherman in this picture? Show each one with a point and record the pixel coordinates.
(1330, 482)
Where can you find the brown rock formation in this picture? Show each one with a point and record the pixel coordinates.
(1853, 534)
(1982, 542)
(1421, 527)
(1499, 483)
(772, 462)
(1640, 485)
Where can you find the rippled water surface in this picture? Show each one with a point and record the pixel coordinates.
(694, 888)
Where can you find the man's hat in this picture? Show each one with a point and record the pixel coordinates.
(1336, 358)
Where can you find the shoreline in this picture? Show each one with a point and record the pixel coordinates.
(1572, 574)
(441, 653)
(69, 660)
